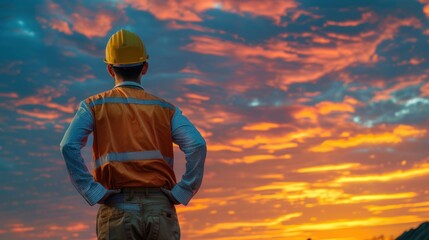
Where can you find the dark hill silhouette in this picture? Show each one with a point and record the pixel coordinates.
(420, 233)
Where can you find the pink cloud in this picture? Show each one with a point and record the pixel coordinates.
(215, 46)
(73, 227)
(192, 11)
(314, 61)
(191, 69)
(270, 9)
(192, 26)
(425, 89)
(49, 115)
(198, 97)
(88, 22)
(426, 10)
(173, 10)
(366, 17)
(61, 26)
(44, 97)
(11, 68)
(92, 25)
(9, 95)
(386, 93)
(46, 101)
(20, 228)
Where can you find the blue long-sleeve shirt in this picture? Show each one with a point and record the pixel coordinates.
(184, 134)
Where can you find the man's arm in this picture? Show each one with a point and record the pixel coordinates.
(73, 141)
(193, 145)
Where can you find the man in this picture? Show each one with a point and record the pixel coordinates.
(134, 131)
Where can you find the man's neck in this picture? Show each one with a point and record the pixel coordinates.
(118, 81)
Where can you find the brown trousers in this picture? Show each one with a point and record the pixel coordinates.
(138, 214)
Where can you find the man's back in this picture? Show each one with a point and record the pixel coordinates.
(133, 125)
(134, 132)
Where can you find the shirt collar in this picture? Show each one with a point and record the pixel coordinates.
(129, 83)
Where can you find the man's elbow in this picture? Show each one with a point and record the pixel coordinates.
(66, 147)
(63, 147)
(201, 143)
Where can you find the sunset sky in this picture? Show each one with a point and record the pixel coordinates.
(315, 113)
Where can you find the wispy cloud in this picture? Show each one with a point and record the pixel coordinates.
(397, 135)
(417, 171)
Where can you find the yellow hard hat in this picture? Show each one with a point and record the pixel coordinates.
(125, 48)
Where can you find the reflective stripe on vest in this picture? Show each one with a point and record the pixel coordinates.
(129, 156)
(131, 101)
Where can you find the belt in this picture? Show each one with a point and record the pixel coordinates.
(118, 200)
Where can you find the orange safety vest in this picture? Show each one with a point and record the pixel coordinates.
(132, 146)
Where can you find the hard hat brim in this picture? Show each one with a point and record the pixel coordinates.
(126, 65)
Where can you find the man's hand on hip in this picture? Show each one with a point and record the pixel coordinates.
(170, 196)
(108, 194)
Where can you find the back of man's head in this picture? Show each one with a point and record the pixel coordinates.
(128, 73)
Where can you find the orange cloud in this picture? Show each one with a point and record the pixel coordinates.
(279, 146)
(221, 147)
(283, 186)
(279, 142)
(263, 126)
(264, 223)
(299, 135)
(382, 208)
(327, 193)
(399, 133)
(312, 113)
(377, 197)
(272, 176)
(426, 10)
(254, 158)
(347, 223)
(354, 229)
(419, 170)
(326, 168)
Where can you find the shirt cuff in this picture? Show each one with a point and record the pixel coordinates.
(182, 195)
(95, 194)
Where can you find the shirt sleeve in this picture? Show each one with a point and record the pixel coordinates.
(73, 141)
(193, 145)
